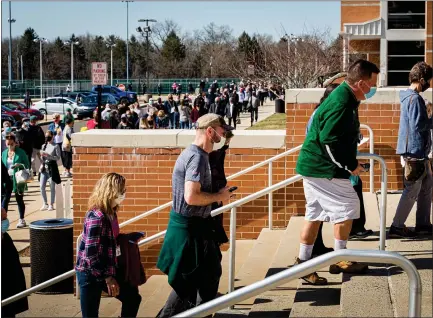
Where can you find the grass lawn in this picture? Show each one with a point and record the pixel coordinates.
(273, 122)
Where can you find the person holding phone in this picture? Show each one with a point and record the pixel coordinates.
(190, 254)
(96, 266)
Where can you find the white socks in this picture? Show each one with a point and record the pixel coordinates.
(305, 252)
(339, 244)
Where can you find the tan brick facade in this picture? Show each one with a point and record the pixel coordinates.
(364, 11)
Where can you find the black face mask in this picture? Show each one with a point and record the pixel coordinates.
(48, 138)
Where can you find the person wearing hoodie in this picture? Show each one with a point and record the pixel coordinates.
(413, 145)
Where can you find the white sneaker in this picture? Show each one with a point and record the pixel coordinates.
(21, 224)
(44, 207)
(65, 173)
(50, 208)
(69, 175)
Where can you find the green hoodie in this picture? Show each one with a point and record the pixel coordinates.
(330, 148)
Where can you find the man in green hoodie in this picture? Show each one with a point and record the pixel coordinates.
(328, 159)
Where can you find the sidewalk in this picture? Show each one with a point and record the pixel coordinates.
(268, 109)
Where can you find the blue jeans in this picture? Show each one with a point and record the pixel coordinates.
(174, 120)
(184, 125)
(91, 289)
(43, 183)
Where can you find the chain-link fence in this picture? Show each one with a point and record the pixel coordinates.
(52, 87)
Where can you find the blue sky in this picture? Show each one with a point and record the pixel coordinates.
(62, 18)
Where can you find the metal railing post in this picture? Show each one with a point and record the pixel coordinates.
(77, 286)
(383, 199)
(270, 197)
(67, 200)
(232, 255)
(371, 140)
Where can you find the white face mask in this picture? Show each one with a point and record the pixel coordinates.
(120, 198)
(221, 138)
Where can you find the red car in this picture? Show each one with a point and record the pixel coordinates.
(14, 105)
(16, 114)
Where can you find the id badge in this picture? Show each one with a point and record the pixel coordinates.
(118, 251)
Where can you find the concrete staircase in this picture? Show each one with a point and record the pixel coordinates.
(381, 292)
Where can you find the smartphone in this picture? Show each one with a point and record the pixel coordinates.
(233, 189)
(366, 166)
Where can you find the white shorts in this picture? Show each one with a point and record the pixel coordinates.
(332, 200)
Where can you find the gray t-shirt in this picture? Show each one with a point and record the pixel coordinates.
(192, 165)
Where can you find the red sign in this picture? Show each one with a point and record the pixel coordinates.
(99, 73)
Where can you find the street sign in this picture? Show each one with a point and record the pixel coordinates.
(99, 73)
(250, 69)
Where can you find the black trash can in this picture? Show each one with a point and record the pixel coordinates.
(279, 106)
(51, 254)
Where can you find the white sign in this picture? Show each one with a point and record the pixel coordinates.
(250, 69)
(99, 73)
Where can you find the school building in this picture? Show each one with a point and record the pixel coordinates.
(393, 34)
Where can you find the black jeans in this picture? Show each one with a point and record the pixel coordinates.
(254, 114)
(90, 298)
(67, 159)
(20, 202)
(234, 122)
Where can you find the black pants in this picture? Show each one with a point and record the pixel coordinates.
(67, 159)
(254, 114)
(20, 202)
(205, 290)
(234, 122)
(358, 225)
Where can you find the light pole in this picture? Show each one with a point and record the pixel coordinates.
(292, 38)
(145, 32)
(10, 20)
(111, 45)
(41, 40)
(127, 40)
(72, 43)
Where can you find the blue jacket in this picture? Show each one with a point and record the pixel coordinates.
(52, 127)
(414, 132)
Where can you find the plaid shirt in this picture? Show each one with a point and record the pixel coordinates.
(97, 252)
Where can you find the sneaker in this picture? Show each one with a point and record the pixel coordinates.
(360, 234)
(50, 207)
(347, 267)
(424, 229)
(65, 173)
(68, 175)
(21, 223)
(313, 278)
(401, 232)
(44, 207)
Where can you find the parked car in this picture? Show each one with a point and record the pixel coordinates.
(74, 95)
(9, 118)
(53, 105)
(14, 105)
(89, 104)
(16, 114)
(124, 96)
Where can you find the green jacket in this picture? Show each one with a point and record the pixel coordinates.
(20, 157)
(330, 148)
(188, 253)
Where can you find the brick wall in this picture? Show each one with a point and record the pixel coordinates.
(148, 172)
(359, 11)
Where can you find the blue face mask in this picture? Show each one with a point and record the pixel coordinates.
(5, 225)
(371, 93)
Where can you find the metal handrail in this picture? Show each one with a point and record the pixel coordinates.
(267, 191)
(298, 271)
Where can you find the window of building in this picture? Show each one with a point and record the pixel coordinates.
(402, 56)
(406, 14)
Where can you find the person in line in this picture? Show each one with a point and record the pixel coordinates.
(143, 122)
(68, 115)
(413, 145)
(7, 129)
(327, 160)
(254, 104)
(96, 266)
(232, 112)
(67, 147)
(38, 138)
(93, 122)
(24, 138)
(190, 255)
(13, 279)
(56, 127)
(15, 159)
(124, 124)
(185, 114)
(49, 170)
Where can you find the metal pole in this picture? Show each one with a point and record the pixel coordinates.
(22, 70)
(371, 140)
(111, 62)
(127, 42)
(40, 63)
(270, 197)
(10, 44)
(298, 271)
(147, 55)
(72, 66)
(232, 255)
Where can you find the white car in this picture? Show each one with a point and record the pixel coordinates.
(53, 105)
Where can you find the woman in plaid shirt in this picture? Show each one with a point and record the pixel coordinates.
(96, 259)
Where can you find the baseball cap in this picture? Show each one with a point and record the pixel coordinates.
(123, 116)
(68, 109)
(212, 120)
(33, 118)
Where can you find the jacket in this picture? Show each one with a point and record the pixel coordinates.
(129, 267)
(20, 157)
(188, 253)
(228, 112)
(37, 136)
(331, 145)
(52, 127)
(414, 131)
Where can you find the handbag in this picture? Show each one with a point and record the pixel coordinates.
(23, 176)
